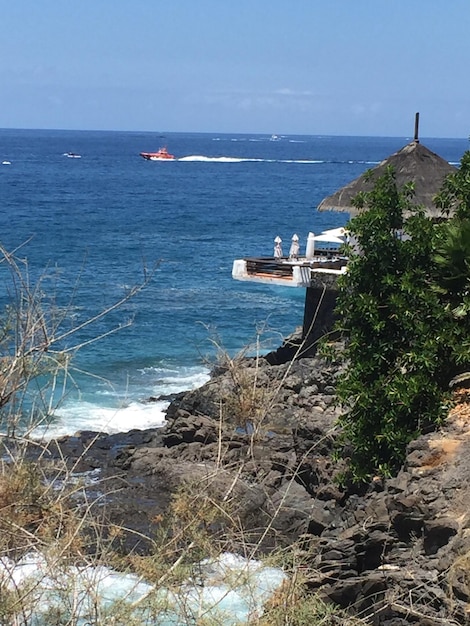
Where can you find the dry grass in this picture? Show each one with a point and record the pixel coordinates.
(45, 516)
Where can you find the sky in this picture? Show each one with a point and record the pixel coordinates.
(331, 67)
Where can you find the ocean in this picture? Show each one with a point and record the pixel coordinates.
(91, 227)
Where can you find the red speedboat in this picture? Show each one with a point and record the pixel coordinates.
(161, 155)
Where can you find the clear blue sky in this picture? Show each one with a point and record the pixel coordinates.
(340, 67)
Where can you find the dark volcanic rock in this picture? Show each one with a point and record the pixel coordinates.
(260, 437)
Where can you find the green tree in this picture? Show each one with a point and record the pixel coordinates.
(454, 195)
(453, 244)
(401, 336)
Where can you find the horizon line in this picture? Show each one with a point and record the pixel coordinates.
(244, 133)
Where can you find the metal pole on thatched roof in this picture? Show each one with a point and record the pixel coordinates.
(413, 163)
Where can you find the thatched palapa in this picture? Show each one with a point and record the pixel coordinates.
(413, 163)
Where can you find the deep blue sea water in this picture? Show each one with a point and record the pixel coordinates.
(91, 224)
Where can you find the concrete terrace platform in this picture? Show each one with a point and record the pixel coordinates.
(300, 272)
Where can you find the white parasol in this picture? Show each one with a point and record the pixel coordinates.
(329, 238)
(278, 248)
(294, 248)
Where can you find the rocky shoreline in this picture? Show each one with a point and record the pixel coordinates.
(260, 434)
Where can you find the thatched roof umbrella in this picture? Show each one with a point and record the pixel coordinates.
(414, 162)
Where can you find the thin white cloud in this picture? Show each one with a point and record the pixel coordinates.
(283, 98)
(286, 91)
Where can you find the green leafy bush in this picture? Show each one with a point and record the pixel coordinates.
(402, 309)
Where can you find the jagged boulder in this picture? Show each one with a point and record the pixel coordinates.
(396, 551)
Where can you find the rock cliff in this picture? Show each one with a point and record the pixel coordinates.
(393, 552)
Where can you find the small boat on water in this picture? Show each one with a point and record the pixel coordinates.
(72, 155)
(161, 155)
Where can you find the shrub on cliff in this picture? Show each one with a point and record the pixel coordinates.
(44, 513)
(453, 246)
(400, 310)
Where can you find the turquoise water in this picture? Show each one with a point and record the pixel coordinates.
(92, 224)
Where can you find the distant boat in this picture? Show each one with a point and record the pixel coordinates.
(72, 155)
(274, 138)
(161, 155)
(6, 162)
